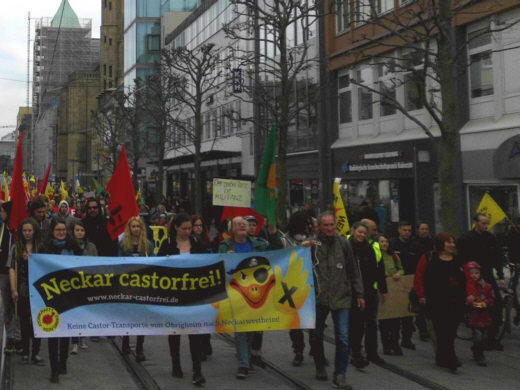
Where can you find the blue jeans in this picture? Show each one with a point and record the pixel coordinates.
(341, 319)
(243, 341)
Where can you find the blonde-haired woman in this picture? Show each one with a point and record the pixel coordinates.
(135, 243)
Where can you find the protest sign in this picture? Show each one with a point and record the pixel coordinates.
(235, 193)
(396, 304)
(183, 294)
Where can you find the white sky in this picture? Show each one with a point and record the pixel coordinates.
(13, 48)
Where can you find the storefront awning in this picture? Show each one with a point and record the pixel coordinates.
(206, 156)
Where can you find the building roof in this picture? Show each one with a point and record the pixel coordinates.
(65, 17)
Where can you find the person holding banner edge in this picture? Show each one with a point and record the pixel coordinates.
(27, 242)
(241, 242)
(59, 243)
(181, 241)
(135, 243)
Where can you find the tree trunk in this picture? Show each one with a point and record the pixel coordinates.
(447, 148)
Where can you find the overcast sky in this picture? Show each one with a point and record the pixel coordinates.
(13, 48)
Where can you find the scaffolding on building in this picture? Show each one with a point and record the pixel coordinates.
(60, 48)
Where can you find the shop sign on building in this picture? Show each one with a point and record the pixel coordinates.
(234, 193)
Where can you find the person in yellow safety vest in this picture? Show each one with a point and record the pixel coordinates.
(372, 235)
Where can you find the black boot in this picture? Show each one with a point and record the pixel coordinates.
(176, 369)
(478, 354)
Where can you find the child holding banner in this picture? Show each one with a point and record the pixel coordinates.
(135, 243)
(59, 243)
(27, 242)
(181, 241)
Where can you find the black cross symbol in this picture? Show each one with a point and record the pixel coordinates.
(287, 296)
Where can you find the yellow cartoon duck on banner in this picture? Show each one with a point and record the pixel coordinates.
(260, 299)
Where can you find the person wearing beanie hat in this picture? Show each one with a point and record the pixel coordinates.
(65, 216)
(482, 297)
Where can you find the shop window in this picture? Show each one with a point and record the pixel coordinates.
(481, 63)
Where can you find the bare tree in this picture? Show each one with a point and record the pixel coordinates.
(417, 48)
(193, 76)
(116, 122)
(280, 32)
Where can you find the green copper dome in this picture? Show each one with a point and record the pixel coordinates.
(65, 17)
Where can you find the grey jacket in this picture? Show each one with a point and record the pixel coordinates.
(338, 278)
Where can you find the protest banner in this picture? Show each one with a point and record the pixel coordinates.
(396, 304)
(235, 193)
(183, 294)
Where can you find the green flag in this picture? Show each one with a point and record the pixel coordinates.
(99, 189)
(265, 196)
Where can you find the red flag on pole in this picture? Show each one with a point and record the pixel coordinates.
(17, 193)
(122, 204)
(43, 184)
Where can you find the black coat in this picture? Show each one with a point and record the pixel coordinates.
(371, 270)
(97, 233)
(169, 247)
(484, 249)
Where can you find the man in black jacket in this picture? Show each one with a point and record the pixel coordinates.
(402, 246)
(481, 246)
(96, 229)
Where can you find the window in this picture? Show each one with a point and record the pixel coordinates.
(207, 126)
(153, 42)
(110, 6)
(387, 88)
(345, 99)
(104, 38)
(365, 76)
(413, 81)
(363, 11)
(481, 63)
(383, 6)
(109, 41)
(413, 92)
(343, 16)
(110, 71)
(110, 84)
(105, 69)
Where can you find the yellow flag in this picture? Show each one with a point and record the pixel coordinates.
(5, 189)
(160, 233)
(340, 214)
(489, 207)
(63, 191)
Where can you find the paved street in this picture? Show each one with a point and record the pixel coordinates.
(102, 366)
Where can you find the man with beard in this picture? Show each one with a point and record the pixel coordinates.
(96, 229)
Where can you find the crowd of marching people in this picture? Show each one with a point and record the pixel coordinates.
(454, 281)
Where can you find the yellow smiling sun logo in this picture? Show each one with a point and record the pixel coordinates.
(48, 319)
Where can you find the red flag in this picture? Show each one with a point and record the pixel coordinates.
(121, 204)
(43, 184)
(231, 212)
(17, 193)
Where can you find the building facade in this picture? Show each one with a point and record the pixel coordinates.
(62, 45)
(111, 67)
(385, 156)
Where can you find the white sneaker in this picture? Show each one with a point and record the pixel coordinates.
(74, 349)
(83, 345)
